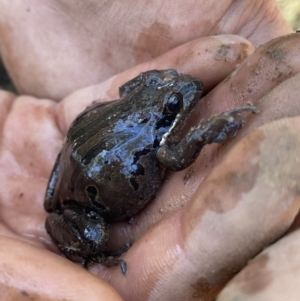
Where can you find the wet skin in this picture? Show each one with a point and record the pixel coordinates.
(115, 158)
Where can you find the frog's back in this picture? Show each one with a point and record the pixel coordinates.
(108, 148)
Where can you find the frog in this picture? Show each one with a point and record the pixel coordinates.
(116, 155)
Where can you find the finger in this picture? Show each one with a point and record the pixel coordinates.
(86, 45)
(30, 141)
(272, 275)
(28, 272)
(246, 203)
(209, 58)
(270, 65)
(264, 72)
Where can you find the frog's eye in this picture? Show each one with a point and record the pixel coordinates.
(153, 80)
(172, 103)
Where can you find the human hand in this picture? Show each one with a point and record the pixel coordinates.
(57, 47)
(203, 230)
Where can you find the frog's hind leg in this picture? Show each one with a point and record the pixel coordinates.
(51, 185)
(214, 130)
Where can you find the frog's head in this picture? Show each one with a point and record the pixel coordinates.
(165, 94)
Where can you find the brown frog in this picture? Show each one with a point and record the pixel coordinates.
(115, 157)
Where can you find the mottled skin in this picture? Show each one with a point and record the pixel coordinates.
(115, 157)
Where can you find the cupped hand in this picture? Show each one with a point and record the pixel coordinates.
(56, 47)
(206, 223)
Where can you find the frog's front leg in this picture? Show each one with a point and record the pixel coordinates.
(215, 130)
(48, 202)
